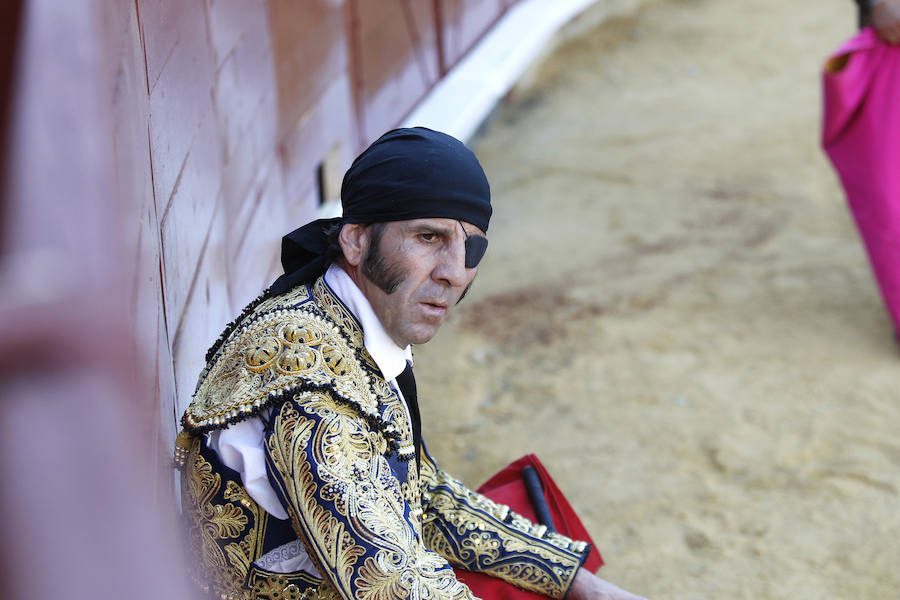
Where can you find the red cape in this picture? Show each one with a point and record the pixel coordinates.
(506, 487)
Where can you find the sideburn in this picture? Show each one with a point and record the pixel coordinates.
(386, 276)
(466, 291)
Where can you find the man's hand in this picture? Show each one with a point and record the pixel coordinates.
(886, 20)
(588, 586)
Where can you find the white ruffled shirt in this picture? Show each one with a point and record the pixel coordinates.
(241, 446)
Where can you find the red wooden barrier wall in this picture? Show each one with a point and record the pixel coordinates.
(80, 458)
(153, 154)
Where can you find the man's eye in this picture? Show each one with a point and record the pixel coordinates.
(428, 237)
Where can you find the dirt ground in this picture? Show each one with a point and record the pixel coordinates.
(676, 314)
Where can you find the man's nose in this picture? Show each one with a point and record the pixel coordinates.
(451, 267)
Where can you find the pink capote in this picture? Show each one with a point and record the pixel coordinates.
(861, 135)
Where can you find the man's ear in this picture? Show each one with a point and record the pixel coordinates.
(354, 240)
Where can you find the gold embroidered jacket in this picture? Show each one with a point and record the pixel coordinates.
(340, 456)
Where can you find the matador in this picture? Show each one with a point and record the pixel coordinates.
(303, 470)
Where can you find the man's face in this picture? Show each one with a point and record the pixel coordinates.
(414, 274)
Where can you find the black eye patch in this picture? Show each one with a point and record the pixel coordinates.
(476, 246)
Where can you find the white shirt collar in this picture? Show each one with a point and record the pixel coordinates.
(390, 358)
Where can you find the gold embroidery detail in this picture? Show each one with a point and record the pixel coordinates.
(481, 546)
(276, 587)
(366, 546)
(394, 412)
(183, 443)
(489, 538)
(336, 312)
(280, 346)
(222, 564)
(296, 360)
(261, 355)
(294, 332)
(291, 434)
(226, 521)
(266, 585)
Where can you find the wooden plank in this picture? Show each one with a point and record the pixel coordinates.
(464, 22)
(397, 60)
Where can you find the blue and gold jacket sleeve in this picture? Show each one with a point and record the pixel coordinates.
(346, 504)
(476, 534)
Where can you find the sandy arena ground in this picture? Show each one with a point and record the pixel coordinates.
(676, 314)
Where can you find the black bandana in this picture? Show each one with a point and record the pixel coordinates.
(405, 174)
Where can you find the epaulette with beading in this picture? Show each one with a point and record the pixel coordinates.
(286, 345)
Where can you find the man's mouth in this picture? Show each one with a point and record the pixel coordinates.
(435, 307)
